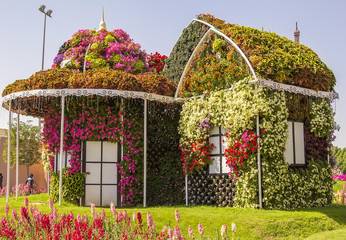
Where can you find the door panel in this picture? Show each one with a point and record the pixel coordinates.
(100, 164)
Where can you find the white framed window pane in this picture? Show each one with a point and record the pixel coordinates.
(92, 195)
(93, 151)
(215, 167)
(109, 173)
(68, 157)
(216, 142)
(289, 145)
(225, 167)
(215, 131)
(94, 170)
(110, 152)
(299, 142)
(109, 194)
(223, 131)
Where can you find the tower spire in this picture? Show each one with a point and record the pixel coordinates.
(296, 34)
(102, 23)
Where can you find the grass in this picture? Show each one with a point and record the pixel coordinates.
(251, 223)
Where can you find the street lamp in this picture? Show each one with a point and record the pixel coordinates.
(48, 13)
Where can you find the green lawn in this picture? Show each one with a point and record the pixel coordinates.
(251, 223)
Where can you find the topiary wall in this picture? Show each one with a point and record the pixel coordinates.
(165, 177)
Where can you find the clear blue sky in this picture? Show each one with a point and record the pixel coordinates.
(156, 25)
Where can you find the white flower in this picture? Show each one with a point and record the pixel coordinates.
(234, 227)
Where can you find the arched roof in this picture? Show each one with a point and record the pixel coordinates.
(267, 56)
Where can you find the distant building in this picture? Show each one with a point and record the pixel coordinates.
(36, 169)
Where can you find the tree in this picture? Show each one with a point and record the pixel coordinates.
(29, 144)
(340, 157)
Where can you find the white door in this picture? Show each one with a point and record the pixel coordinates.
(100, 166)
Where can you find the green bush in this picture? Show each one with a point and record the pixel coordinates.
(72, 186)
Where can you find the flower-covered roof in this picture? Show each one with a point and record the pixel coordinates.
(101, 60)
(217, 65)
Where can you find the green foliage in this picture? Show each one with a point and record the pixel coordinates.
(72, 186)
(101, 78)
(273, 57)
(284, 187)
(165, 176)
(29, 143)
(340, 158)
(321, 117)
(182, 50)
(289, 188)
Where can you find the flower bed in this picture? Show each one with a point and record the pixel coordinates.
(31, 223)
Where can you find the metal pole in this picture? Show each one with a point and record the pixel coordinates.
(259, 161)
(61, 146)
(44, 40)
(186, 192)
(145, 154)
(8, 151)
(17, 155)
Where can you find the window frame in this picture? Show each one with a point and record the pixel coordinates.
(220, 154)
(295, 164)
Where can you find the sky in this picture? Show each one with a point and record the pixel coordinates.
(156, 26)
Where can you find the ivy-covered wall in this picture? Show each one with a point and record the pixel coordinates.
(225, 96)
(165, 176)
(284, 187)
(214, 190)
(119, 120)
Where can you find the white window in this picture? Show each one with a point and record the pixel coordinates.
(295, 148)
(65, 161)
(216, 137)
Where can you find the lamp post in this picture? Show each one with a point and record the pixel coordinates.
(47, 13)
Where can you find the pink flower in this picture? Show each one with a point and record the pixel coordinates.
(170, 233)
(26, 202)
(51, 204)
(223, 230)
(93, 212)
(149, 220)
(200, 229)
(177, 216)
(14, 214)
(190, 231)
(7, 208)
(164, 229)
(176, 234)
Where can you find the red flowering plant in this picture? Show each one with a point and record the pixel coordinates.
(195, 155)
(156, 62)
(240, 150)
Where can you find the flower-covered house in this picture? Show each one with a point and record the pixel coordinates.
(256, 123)
(244, 114)
(109, 121)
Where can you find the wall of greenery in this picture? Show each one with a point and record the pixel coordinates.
(182, 51)
(98, 118)
(215, 67)
(284, 187)
(278, 58)
(72, 186)
(165, 176)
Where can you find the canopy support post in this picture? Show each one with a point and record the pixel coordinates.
(145, 153)
(8, 151)
(259, 161)
(17, 155)
(186, 192)
(61, 146)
